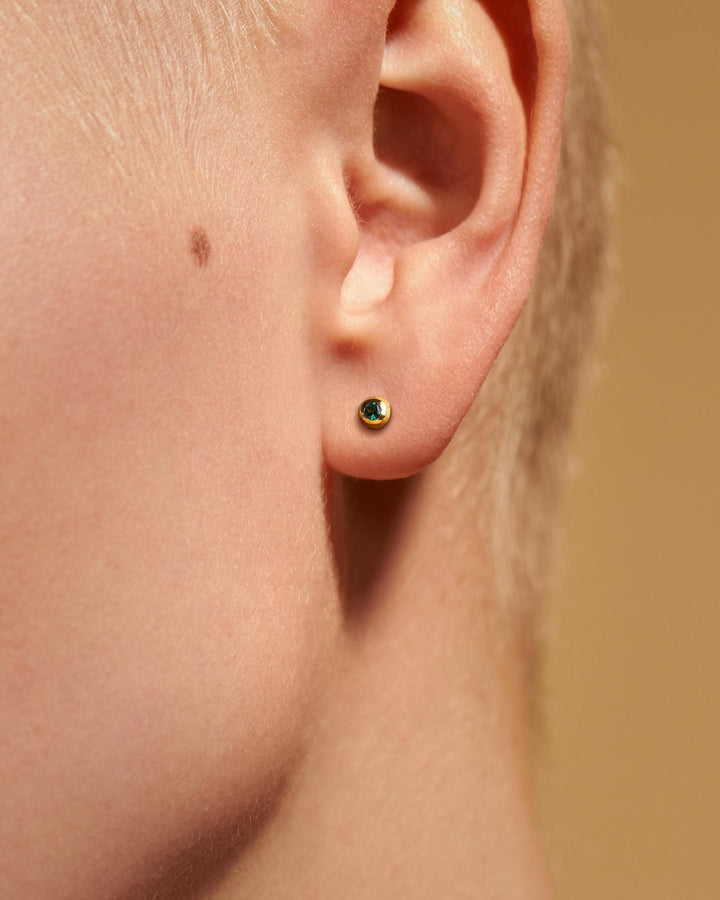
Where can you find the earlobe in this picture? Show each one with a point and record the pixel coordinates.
(450, 215)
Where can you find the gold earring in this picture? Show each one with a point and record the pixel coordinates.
(375, 412)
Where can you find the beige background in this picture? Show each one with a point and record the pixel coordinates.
(633, 678)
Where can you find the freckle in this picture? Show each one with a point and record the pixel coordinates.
(200, 245)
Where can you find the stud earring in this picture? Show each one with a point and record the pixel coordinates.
(375, 412)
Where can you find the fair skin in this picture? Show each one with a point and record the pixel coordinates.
(226, 669)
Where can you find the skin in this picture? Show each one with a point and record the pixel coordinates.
(226, 670)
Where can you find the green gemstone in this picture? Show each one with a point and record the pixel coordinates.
(372, 410)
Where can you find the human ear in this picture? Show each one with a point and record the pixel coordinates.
(450, 206)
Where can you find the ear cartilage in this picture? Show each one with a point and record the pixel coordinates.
(375, 412)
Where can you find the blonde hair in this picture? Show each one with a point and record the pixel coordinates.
(524, 411)
(156, 70)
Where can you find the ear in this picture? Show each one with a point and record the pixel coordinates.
(450, 202)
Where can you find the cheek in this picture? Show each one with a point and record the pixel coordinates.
(161, 582)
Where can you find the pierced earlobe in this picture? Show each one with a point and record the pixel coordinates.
(375, 412)
(443, 194)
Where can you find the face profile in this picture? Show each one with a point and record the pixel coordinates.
(290, 341)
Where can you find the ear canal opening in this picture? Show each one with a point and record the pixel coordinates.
(426, 182)
(413, 137)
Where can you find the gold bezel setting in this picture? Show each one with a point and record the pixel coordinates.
(375, 412)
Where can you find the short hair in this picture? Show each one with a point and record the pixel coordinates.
(181, 54)
(515, 438)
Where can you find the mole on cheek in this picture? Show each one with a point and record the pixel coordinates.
(200, 246)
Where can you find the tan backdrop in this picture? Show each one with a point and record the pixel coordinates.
(632, 756)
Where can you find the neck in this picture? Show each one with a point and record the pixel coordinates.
(415, 780)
